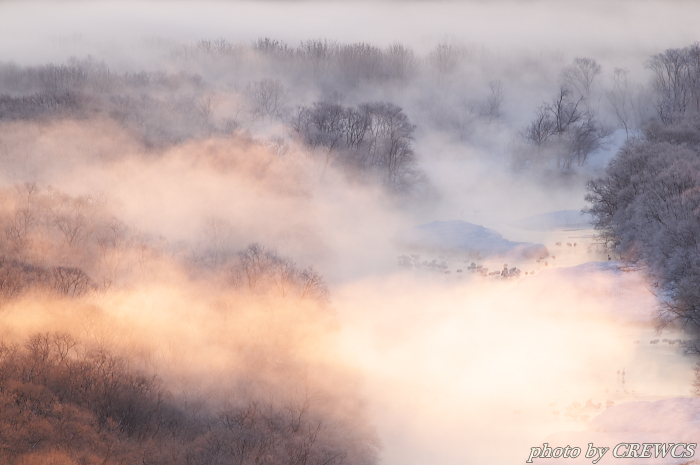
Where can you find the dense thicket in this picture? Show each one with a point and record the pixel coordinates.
(373, 139)
(218, 87)
(647, 206)
(67, 402)
(677, 83)
(67, 243)
(64, 403)
(72, 245)
(347, 65)
(165, 109)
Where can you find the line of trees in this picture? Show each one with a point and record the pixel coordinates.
(647, 205)
(261, 270)
(63, 402)
(568, 128)
(67, 402)
(347, 64)
(165, 109)
(18, 277)
(70, 244)
(676, 83)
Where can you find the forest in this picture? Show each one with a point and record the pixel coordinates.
(175, 233)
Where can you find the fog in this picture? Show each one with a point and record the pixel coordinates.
(568, 27)
(216, 193)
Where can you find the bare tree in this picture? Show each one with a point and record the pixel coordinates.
(268, 98)
(272, 47)
(621, 99)
(677, 82)
(114, 240)
(402, 62)
(580, 76)
(205, 107)
(312, 285)
(390, 144)
(359, 63)
(72, 282)
(262, 270)
(218, 235)
(318, 54)
(560, 127)
(491, 108)
(446, 57)
(70, 216)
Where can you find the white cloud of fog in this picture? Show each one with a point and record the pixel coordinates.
(408, 336)
(463, 373)
(38, 31)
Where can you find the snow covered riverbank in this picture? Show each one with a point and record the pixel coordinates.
(459, 364)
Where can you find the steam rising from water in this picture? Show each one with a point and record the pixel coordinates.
(458, 371)
(451, 369)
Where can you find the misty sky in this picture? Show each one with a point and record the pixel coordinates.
(445, 357)
(34, 32)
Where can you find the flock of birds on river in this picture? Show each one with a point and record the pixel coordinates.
(440, 265)
(574, 411)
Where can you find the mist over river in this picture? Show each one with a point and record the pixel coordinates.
(301, 232)
(462, 369)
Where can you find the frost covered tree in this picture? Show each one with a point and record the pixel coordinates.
(647, 206)
(676, 82)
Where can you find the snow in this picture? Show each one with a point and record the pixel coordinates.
(665, 421)
(598, 291)
(461, 236)
(675, 420)
(678, 417)
(608, 282)
(551, 221)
